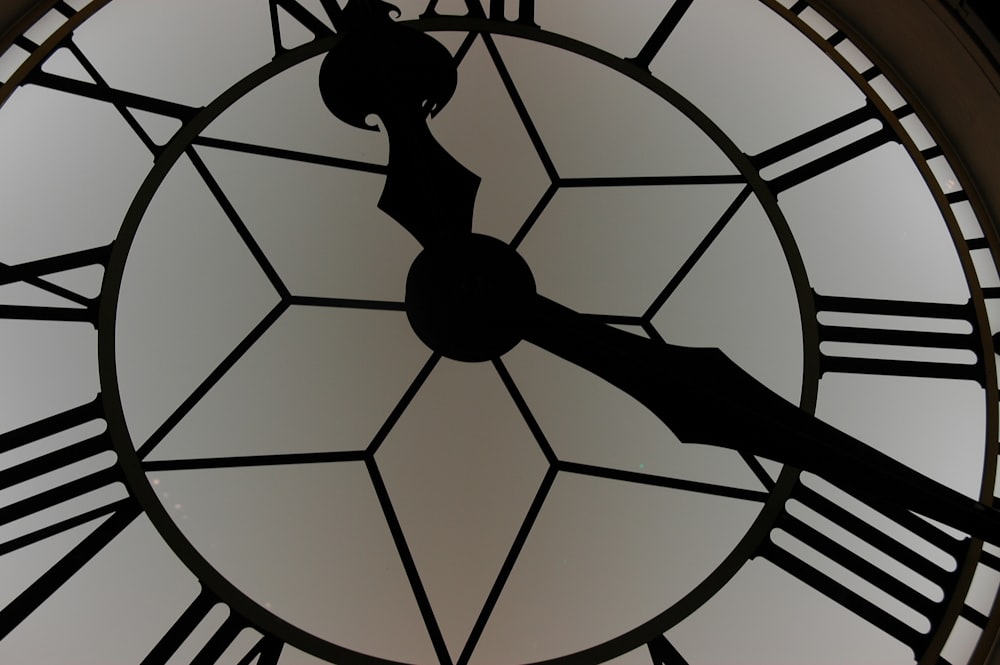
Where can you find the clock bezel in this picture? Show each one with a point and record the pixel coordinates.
(972, 196)
(214, 580)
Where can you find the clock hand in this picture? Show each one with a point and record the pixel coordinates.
(401, 75)
(704, 397)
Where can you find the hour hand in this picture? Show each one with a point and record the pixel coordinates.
(704, 397)
(402, 75)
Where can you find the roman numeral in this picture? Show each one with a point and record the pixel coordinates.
(662, 32)
(840, 555)
(987, 560)
(801, 6)
(925, 346)
(662, 652)
(82, 308)
(498, 10)
(302, 16)
(840, 153)
(65, 495)
(75, 450)
(99, 90)
(266, 650)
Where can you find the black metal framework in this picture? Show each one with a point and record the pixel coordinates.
(186, 143)
(482, 23)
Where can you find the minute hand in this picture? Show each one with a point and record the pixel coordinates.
(704, 397)
(402, 75)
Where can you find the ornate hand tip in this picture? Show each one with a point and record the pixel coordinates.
(360, 14)
(401, 75)
(383, 68)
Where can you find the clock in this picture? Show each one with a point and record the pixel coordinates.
(468, 332)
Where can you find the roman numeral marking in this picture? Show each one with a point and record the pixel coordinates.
(662, 32)
(840, 154)
(840, 554)
(883, 333)
(75, 449)
(123, 100)
(662, 652)
(267, 649)
(497, 10)
(32, 273)
(302, 16)
(65, 495)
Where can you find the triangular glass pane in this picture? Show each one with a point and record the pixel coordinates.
(84, 281)
(62, 62)
(589, 421)
(292, 656)
(320, 380)
(879, 217)
(452, 40)
(47, 369)
(481, 129)
(891, 412)
(191, 291)
(310, 544)
(638, 656)
(219, 48)
(26, 294)
(740, 298)
(767, 84)
(445, 7)
(603, 25)
(612, 250)
(160, 128)
(611, 556)
(287, 112)
(319, 226)
(800, 625)
(61, 197)
(603, 124)
(23, 566)
(292, 32)
(141, 584)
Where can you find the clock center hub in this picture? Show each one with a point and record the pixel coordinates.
(464, 300)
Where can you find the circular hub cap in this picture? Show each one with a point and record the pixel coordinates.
(464, 300)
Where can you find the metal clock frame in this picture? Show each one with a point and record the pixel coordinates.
(215, 585)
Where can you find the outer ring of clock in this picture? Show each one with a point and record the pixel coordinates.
(968, 564)
(216, 581)
(226, 591)
(38, 55)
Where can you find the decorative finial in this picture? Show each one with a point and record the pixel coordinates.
(384, 68)
(360, 14)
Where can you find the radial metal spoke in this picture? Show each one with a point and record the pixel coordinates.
(522, 109)
(238, 224)
(293, 155)
(227, 363)
(663, 481)
(235, 461)
(347, 303)
(404, 402)
(508, 566)
(653, 181)
(758, 470)
(525, 411)
(698, 252)
(409, 565)
(533, 216)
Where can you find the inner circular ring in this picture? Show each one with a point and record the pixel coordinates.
(132, 465)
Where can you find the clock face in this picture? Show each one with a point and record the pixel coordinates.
(224, 438)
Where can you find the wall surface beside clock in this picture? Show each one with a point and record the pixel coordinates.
(941, 62)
